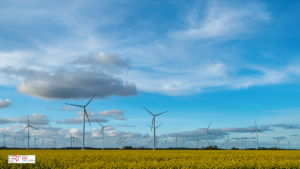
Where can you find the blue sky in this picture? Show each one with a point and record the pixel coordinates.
(230, 62)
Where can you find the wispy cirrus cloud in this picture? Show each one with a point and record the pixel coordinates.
(223, 20)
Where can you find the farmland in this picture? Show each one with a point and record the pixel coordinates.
(155, 159)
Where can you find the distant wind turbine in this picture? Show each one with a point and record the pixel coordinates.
(84, 114)
(4, 138)
(15, 138)
(207, 132)
(153, 124)
(71, 137)
(28, 126)
(256, 130)
(102, 132)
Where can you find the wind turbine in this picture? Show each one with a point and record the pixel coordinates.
(197, 141)
(124, 138)
(289, 144)
(238, 141)
(278, 143)
(15, 138)
(43, 143)
(84, 114)
(71, 137)
(55, 143)
(102, 132)
(153, 124)
(176, 142)
(4, 138)
(256, 130)
(207, 132)
(28, 126)
(35, 141)
(227, 144)
(165, 143)
(245, 142)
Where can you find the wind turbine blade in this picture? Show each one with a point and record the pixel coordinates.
(34, 127)
(153, 120)
(251, 133)
(87, 116)
(161, 113)
(209, 124)
(74, 105)
(2, 132)
(91, 99)
(158, 126)
(148, 110)
(24, 128)
(28, 119)
(208, 133)
(260, 131)
(99, 123)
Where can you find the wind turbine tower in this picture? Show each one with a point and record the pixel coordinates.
(28, 126)
(84, 114)
(153, 124)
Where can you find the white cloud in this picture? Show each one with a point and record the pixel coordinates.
(69, 84)
(116, 114)
(5, 103)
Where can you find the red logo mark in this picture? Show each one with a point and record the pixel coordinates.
(15, 158)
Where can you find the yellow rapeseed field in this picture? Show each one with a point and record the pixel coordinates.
(155, 159)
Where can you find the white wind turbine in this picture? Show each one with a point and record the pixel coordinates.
(4, 138)
(197, 142)
(71, 137)
(207, 132)
(15, 138)
(153, 124)
(176, 142)
(102, 132)
(165, 143)
(124, 138)
(256, 130)
(35, 141)
(245, 142)
(28, 126)
(84, 114)
(238, 141)
(289, 144)
(43, 143)
(278, 143)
